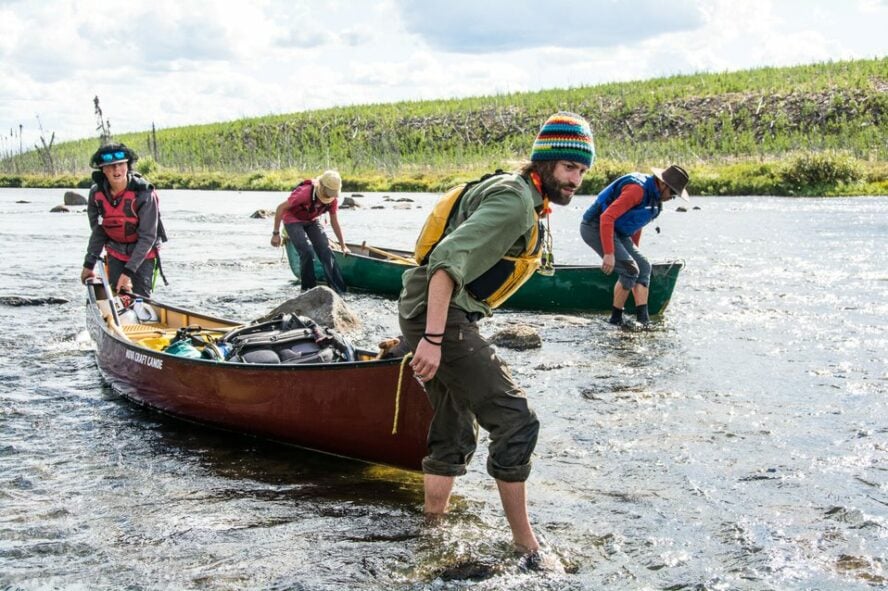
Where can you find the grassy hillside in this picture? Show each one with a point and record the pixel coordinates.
(816, 129)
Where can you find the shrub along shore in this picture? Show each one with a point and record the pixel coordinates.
(814, 130)
(815, 174)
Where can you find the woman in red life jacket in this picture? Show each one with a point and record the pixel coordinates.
(125, 221)
(300, 213)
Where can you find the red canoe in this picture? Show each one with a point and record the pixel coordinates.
(353, 409)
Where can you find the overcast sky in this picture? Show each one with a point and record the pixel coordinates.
(180, 62)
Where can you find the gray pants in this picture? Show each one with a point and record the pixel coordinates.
(474, 387)
(631, 265)
(143, 280)
(309, 239)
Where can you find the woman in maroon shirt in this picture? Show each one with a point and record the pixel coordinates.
(300, 213)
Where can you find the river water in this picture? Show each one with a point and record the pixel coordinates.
(741, 443)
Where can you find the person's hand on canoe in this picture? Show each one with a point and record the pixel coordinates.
(607, 263)
(87, 274)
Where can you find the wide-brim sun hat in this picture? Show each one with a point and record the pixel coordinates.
(676, 178)
(329, 186)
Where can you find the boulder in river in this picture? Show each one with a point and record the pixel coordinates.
(72, 198)
(518, 337)
(321, 304)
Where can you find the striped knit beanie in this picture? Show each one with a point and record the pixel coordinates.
(564, 136)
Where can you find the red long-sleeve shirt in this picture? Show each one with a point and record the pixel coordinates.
(631, 196)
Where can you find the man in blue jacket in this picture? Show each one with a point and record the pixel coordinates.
(612, 227)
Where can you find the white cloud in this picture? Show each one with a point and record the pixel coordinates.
(469, 26)
(303, 39)
(175, 63)
(11, 31)
(356, 36)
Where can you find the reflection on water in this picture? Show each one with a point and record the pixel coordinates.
(738, 444)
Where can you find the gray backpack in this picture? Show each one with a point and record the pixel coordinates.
(285, 339)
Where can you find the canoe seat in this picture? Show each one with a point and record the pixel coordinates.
(131, 330)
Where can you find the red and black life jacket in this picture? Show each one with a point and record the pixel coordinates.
(120, 218)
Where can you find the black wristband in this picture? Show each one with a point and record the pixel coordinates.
(428, 340)
(275, 233)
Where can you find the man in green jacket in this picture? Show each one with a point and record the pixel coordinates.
(467, 384)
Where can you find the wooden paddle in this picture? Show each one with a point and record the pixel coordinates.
(109, 295)
(388, 255)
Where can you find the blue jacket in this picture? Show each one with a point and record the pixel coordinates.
(637, 217)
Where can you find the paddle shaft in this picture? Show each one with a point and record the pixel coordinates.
(388, 255)
(103, 276)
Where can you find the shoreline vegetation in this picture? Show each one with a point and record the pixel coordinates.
(813, 130)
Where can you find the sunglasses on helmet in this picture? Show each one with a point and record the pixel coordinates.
(109, 156)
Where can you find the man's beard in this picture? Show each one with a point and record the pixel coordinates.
(552, 188)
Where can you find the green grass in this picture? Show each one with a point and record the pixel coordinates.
(805, 130)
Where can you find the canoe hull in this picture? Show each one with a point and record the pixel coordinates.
(345, 409)
(573, 288)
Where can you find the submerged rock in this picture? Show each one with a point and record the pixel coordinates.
(25, 301)
(469, 570)
(518, 337)
(59, 209)
(562, 319)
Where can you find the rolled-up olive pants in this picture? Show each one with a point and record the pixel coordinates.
(474, 387)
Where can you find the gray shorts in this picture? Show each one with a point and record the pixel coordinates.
(474, 387)
(631, 266)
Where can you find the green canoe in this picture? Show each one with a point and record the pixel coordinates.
(573, 288)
